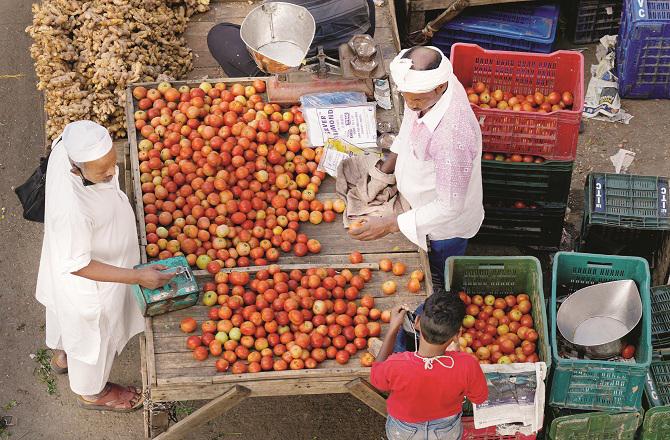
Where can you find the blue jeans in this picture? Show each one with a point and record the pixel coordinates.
(440, 250)
(448, 428)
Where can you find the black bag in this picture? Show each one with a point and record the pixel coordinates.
(32, 193)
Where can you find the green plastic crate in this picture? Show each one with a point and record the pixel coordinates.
(627, 201)
(594, 384)
(500, 276)
(660, 317)
(595, 426)
(659, 385)
(545, 182)
(656, 425)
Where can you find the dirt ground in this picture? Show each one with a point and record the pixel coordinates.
(39, 415)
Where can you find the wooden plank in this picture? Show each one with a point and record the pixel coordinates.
(208, 412)
(366, 393)
(151, 356)
(135, 166)
(145, 383)
(286, 387)
(429, 5)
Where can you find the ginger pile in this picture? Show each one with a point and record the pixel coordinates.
(87, 52)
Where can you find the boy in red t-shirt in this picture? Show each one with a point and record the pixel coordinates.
(427, 386)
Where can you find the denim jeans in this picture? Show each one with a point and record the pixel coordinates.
(448, 428)
(440, 250)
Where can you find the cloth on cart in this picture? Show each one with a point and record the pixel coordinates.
(367, 190)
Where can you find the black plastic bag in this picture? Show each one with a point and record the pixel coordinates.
(31, 193)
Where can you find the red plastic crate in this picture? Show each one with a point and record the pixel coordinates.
(550, 135)
(470, 433)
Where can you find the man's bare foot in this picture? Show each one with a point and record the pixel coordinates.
(59, 362)
(113, 398)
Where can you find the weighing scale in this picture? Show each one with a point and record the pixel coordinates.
(281, 50)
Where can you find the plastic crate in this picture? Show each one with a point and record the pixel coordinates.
(595, 426)
(595, 384)
(590, 20)
(656, 425)
(660, 317)
(470, 433)
(654, 246)
(627, 201)
(550, 135)
(528, 27)
(643, 49)
(658, 388)
(545, 182)
(501, 276)
(542, 226)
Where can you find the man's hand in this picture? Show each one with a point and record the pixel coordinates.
(374, 228)
(397, 316)
(151, 277)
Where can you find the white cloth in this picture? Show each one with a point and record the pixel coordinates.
(90, 320)
(86, 141)
(438, 170)
(419, 81)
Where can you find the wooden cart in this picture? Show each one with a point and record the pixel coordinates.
(169, 372)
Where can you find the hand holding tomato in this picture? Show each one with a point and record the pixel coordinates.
(373, 228)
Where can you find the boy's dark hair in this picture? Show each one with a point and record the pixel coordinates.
(442, 316)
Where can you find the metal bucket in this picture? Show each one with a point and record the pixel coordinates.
(278, 36)
(596, 317)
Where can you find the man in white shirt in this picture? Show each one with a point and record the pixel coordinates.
(90, 247)
(436, 159)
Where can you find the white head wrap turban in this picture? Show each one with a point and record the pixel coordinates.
(419, 81)
(86, 141)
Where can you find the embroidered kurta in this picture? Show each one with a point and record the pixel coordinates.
(438, 170)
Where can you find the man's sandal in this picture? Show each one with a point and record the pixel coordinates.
(115, 398)
(54, 365)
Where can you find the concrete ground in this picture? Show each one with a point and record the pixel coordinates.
(39, 415)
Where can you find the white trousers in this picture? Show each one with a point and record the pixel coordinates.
(85, 379)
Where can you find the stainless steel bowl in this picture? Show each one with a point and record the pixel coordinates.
(596, 317)
(278, 36)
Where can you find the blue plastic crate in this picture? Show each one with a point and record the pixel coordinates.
(529, 28)
(643, 49)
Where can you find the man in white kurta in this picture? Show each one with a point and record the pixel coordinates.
(436, 160)
(89, 249)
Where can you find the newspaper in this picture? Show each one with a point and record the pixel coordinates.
(357, 124)
(516, 398)
(602, 100)
(335, 151)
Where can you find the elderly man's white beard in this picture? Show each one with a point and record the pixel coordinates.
(419, 81)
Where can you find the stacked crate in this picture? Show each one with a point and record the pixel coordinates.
(520, 27)
(643, 49)
(527, 177)
(656, 424)
(501, 276)
(590, 20)
(628, 215)
(598, 398)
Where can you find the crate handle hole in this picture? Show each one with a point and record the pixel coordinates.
(598, 264)
(492, 266)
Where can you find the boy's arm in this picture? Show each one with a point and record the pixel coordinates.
(397, 316)
(379, 377)
(478, 391)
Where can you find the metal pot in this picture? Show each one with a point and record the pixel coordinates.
(595, 318)
(278, 35)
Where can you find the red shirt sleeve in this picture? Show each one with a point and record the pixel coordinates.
(477, 391)
(379, 376)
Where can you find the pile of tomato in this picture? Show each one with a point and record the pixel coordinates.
(226, 178)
